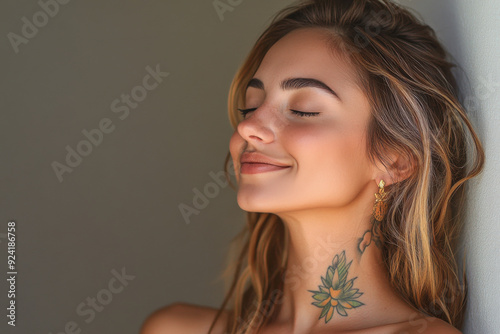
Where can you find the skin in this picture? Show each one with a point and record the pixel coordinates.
(325, 198)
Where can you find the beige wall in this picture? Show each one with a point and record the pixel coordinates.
(119, 206)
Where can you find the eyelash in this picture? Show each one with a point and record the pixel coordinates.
(296, 112)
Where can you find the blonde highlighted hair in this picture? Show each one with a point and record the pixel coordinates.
(407, 77)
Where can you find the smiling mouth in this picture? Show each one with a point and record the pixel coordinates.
(258, 167)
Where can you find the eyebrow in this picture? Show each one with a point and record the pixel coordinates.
(295, 83)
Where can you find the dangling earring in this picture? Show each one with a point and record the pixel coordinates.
(380, 207)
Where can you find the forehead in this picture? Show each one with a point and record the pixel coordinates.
(305, 52)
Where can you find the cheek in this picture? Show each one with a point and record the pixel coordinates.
(321, 145)
(329, 158)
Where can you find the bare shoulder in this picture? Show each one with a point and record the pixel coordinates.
(183, 318)
(428, 325)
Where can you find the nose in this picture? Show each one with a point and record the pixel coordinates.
(257, 127)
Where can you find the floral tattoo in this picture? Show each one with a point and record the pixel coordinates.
(336, 293)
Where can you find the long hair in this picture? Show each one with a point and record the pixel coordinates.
(416, 111)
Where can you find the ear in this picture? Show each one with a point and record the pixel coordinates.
(400, 168)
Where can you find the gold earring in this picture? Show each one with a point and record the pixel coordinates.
(380, 207)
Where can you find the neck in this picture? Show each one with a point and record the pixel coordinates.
(335, 266)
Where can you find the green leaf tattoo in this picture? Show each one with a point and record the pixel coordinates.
(336, 293)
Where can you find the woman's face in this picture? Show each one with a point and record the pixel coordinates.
(325, 152)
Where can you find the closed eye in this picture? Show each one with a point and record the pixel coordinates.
(244, 112)
(305, 114)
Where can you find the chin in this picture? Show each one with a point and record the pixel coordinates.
(252, 204)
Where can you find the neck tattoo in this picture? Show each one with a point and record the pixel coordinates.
(336, 293)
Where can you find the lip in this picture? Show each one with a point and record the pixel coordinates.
(253, 163)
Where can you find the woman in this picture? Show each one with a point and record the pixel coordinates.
(349, 152)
